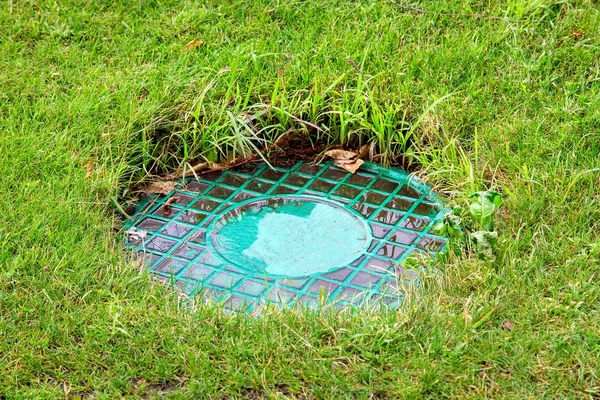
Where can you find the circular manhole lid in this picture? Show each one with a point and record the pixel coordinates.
(288, 235)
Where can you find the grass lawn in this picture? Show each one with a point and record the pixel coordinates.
(96, 96)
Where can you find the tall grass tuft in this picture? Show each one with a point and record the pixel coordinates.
(245, 122)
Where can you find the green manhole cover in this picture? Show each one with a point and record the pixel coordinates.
(288, 235)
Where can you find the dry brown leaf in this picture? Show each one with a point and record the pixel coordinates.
(338, 154)
(507, 325)
(166, 209)
(88, 170)
(193, 44)
(172, 200)
(143, 95)
(348, 160)
(160, 187)
(351, 167)
(363, 151)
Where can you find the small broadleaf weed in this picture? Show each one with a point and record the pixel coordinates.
(473, 229)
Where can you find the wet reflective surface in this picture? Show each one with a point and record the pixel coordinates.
(191, 217)
(290, 236)
(257, 235)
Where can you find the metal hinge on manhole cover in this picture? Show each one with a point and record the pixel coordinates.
(296, 235)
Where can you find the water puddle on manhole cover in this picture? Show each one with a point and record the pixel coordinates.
(288, 236)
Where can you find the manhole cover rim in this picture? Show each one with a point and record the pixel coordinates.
(155, 258)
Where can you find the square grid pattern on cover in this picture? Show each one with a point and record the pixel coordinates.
(175, 245)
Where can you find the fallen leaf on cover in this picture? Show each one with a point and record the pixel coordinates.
(166, 209)
(348, 160)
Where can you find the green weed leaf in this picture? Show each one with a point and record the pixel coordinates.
(472, 229)
(450, 226)
(483, 207)
(484, 242)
